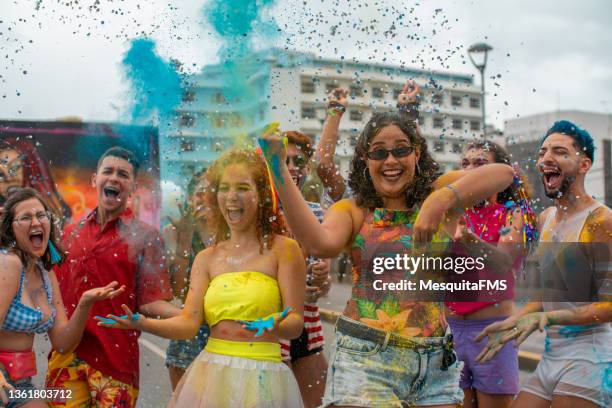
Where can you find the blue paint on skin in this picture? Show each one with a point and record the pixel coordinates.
(155, 83)
(264, 324)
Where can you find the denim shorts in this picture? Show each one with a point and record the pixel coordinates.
(181, 353)
(23, 384)
(365, 373)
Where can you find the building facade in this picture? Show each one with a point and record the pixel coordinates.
(523, 136)
(291, 88)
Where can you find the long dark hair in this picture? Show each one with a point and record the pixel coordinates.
(425, 174)
(7, 235)
(270, 221)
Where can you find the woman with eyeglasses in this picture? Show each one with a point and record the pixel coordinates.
(389, 349)
(31, 301)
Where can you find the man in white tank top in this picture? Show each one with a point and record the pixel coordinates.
(576, 367)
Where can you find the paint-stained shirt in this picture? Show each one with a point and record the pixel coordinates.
(127, 251)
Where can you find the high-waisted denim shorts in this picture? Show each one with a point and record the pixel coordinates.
(377, 374)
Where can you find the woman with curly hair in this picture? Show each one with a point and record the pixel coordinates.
(251, 278)
(389, 350)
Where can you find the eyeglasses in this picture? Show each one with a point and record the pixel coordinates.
(298, 161)
(397, 152)
(25, 221)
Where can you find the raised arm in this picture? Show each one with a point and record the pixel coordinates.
(324, 240)
(455, 191)
(327, 170)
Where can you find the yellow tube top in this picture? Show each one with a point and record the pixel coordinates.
(246, 295)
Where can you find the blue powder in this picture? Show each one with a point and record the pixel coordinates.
(547, 344)
(573, 331)
(155, 83)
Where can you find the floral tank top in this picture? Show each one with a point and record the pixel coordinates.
(386, 233)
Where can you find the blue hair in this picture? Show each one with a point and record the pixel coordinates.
(581, 136)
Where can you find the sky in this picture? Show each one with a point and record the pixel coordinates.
(63, 58)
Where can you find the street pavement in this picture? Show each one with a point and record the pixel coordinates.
(155, 388)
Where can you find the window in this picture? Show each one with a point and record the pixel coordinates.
(474, 102)
(356, 115)
(438, 122)
(437, 99)
(309, 113)
(308, 87)
(474, 125)
(219, 98)
(438, 146)
(236, 120)
(456, 100)
(187, 145)
(330, 86)
(457, 124)
(457, 147)
(396, 93)
(187, 120)
(355, 90)
(378, 92)
(218, 121)
(188, 96)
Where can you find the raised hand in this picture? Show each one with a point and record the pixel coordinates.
(269, 323)
(274, 148)
(337, 99)
(185, 227)
(410, 93)
(97, 294)
(128, 321)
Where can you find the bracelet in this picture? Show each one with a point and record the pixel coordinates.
(335, 108)
(455, 192)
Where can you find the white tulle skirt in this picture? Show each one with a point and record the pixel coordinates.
(220, 381)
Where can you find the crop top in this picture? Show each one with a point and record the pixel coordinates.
(25, 319)
(246, 295)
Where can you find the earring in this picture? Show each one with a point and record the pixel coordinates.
(366, 176)
(55, 256)
(418, 168)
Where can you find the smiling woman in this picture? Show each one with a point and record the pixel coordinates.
(31, 301)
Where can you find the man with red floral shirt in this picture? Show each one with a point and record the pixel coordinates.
(110, 243)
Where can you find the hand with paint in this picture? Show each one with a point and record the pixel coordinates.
(268, 324)
(512, 328)
(94, 295)
(274, 148)
(128, 321)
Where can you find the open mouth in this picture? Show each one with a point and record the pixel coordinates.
(234, 214)
(552, 177)
(36, 238)
(392, 175)
(111, 192)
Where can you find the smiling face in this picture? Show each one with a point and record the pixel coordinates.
(11, 171)
(31, 227)
(114, 183)
(476, 157)
(391, 176)
(561, 164)
(297, 163)
(238, 198)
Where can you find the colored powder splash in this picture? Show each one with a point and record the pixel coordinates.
(241, 26)
(607, 379)
(573, 331)
(155, 83)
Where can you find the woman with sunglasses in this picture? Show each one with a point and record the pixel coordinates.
(389, 349)
(31, 301)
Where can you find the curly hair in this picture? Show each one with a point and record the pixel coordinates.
(361, 183)
(7, 235)
(269, 222)
(500, 155)
(304, 142)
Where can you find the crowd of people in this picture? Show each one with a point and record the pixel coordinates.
(249, 257)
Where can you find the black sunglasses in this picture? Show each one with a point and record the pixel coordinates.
(298, 161)
(397, 152)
